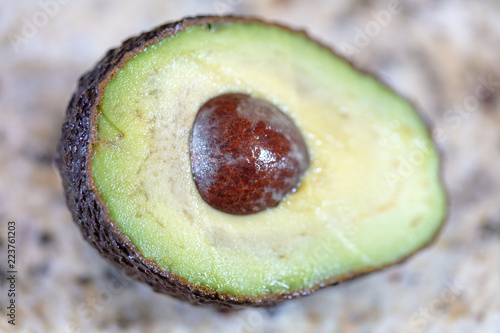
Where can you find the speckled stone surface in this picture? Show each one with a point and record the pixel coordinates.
(444, 55)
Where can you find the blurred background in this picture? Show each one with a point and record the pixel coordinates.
(443, 55)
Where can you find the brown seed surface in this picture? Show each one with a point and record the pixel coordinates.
(246, 154)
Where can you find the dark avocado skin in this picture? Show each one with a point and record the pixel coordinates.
(73, 159)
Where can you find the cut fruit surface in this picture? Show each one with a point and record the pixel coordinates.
(357, 209)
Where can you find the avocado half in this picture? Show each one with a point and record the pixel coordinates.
(371, 196)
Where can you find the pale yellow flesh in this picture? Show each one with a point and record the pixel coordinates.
(371, 196)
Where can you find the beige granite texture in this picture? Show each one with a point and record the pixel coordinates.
(444, 55)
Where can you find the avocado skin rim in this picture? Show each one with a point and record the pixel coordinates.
(73, 159)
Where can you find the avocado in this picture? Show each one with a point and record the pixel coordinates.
(232, 162)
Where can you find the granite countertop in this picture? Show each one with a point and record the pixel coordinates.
(444, 55)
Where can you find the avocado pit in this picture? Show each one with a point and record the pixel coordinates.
(246, 154)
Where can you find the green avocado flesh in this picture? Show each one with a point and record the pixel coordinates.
(371, 196)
